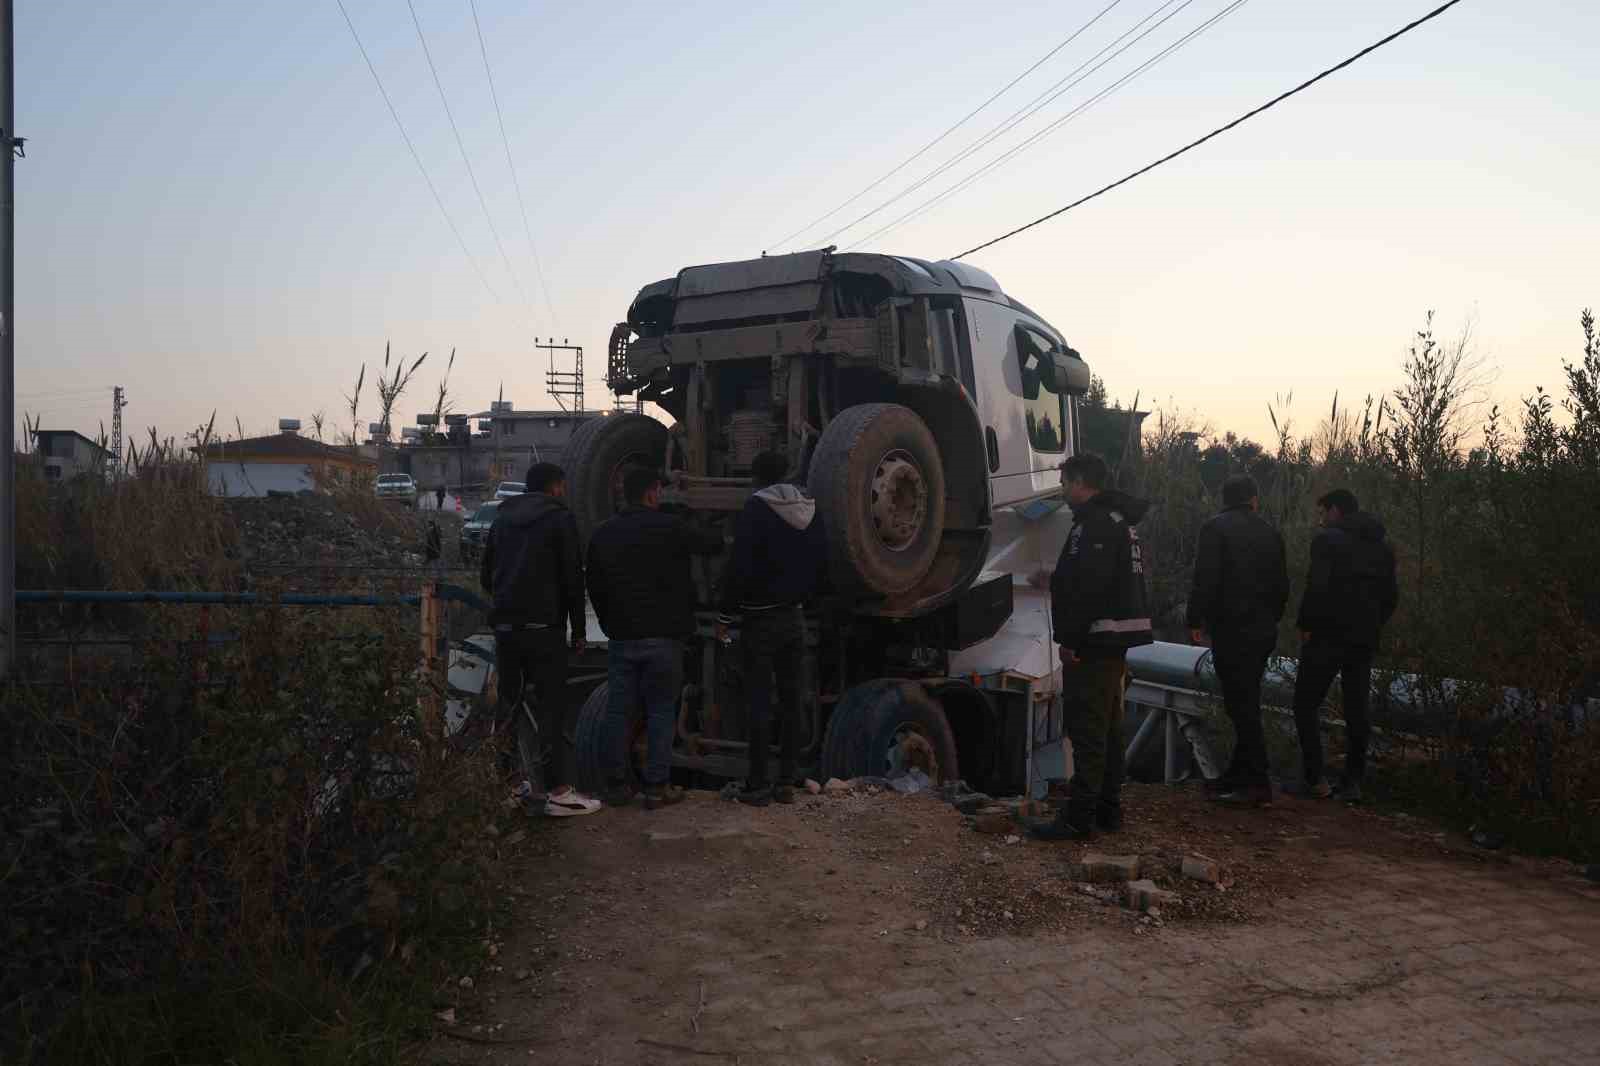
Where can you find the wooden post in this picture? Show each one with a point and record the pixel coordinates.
(435, 671)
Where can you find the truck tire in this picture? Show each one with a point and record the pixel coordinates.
(595, 458)
(877, 476)
(883, 726)
(589, 739)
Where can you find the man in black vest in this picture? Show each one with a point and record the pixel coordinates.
(1099, 609)
(1241, 586)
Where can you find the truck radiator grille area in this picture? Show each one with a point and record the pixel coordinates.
(749, 434)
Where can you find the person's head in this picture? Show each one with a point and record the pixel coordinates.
(547, 478)
(768, 468)
(1241, 491)
(1332, 507)
(641, 486)
(1084, 477)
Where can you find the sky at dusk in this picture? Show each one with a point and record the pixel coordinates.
(218, 212)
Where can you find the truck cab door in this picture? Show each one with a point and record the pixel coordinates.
(1029, 418)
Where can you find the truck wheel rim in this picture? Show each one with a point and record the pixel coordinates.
(614, 482)
(899, 500)
(911, 750)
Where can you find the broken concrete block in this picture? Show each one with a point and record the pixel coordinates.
(813, 788)
(1200, 868)
(1144, 895)
(1104, 869)
(836, 787)
(971, 803)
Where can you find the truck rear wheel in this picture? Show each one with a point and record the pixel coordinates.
(883, 727)
(597, 455)
(877, 476)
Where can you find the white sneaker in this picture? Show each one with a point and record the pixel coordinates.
(569, 804)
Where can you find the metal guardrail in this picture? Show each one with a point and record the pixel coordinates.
(450, 593)
(214, 599)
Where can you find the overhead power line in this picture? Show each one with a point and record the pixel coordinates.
(412, 148)
(465, 159)
(516, 183)
(1073, 78)
(1401, 32)
(1015, 150)
(920, 152)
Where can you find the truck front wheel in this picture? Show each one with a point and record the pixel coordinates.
(595, 458)
(877, 476)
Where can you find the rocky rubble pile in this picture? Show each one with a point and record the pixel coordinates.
(279, 533)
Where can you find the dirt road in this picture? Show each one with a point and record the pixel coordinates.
(881, 929)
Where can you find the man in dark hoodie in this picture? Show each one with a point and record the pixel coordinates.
(640, 585)
(1241, 586)
(1350, 595)
(1099, 609)
(534, 569)
(779, 561)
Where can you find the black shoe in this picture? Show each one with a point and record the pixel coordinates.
(1063, 828)
(1108, 819)
(756, 797)
(658, 796)
(1247, 796)
(1348, 791)
(783, 793)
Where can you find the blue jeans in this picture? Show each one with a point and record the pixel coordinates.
(645, 674)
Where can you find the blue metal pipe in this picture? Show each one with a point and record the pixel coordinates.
(230, 599)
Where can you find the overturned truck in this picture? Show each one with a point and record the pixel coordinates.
(924, 409)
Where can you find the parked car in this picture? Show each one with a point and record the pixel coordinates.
(507, 489)
(400, 487)
(475, 530)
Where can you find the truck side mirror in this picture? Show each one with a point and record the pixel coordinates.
(1064, 372)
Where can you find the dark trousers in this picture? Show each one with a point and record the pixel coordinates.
(647, 675)
(1240, 661)
(1320, 663)
(1093, 717)
(773, 645)
(536, 657)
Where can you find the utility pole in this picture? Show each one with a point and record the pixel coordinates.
(10, 144)
(118, 402)
(568, 383)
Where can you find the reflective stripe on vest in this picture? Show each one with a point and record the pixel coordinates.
(1120, 625)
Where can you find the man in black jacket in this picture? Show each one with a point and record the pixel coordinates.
(1350, 595)
(1099, 609)
(640, 586)
(1241, 586)
(779, 561)
(534, 570)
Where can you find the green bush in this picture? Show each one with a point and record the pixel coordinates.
(1498, 585)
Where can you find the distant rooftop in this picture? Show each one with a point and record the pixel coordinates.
(557, 413)
(70, 433)
(279, 445)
